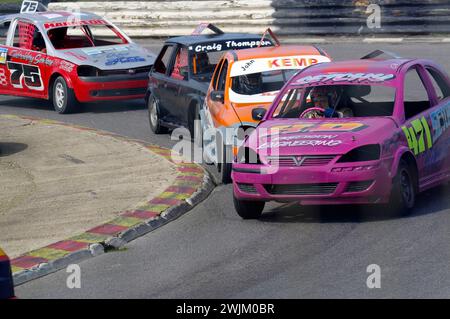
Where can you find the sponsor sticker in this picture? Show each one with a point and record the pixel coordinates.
(229, 45)
(275, 63)
(3, 55)
(346, 77)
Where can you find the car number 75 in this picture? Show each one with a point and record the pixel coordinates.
(30, 73)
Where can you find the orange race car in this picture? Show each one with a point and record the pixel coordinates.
(243, 86)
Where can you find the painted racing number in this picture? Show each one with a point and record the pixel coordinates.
(31, 75)
(416, 134)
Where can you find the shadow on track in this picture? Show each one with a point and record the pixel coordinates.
(7, 148)
(432, 201)
(97, 107)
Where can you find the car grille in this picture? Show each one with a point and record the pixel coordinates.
(144, 69)
(247, 188)
(301, 189)
(295, 161)
(358, 186)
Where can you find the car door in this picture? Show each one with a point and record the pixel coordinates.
(419, 101)
(216, 103)
(27, 64)
(439, 114)
(158, 79)
(178, 87)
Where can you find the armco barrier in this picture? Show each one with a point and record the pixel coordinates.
(287, 17)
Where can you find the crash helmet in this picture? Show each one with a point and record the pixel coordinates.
(323, 96)
(250, 83)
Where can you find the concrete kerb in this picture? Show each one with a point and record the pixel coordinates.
(191, 186)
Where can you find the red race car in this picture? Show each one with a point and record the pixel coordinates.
(69, 58)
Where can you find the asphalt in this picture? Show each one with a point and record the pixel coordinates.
(292, 252)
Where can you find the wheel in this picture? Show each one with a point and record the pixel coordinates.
(248, 209)
(63, 97)
(153, 116)
(403, 194)
(225, 165)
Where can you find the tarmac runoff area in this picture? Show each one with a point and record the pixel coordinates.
(57, 181)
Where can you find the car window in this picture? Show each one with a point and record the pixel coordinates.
(85, 36)
(216, 74)
(223, 77)
(338, 101)
(163, 60)
(180, 67)
(23, 35)
(439, 83)
(415, 95)
(204, 64)
(4, 28)
(261, 82)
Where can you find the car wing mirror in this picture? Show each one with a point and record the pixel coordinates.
(258, 113)
(217, 96)
(184, 73)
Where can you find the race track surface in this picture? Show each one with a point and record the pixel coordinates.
(292, 252)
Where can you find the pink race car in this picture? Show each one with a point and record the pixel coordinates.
(356, 132)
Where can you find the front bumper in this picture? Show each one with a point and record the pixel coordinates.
(315, 185)
(113, 87)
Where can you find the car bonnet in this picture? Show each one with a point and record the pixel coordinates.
(324, 136)
(123, 56)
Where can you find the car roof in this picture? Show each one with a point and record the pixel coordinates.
(206, 38)
(51, 16)
(357, 66)
(276, 51)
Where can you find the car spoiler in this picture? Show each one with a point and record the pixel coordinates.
(272, 35)
(377, 53)
(206, 25)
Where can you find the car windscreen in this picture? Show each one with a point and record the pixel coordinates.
(85, 36)
(261, 82)
(337, 101)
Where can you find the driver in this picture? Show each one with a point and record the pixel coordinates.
(250, 84)
(327, 99)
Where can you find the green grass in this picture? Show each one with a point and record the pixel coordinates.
(10, 1)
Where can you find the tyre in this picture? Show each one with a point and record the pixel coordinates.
(195, 128)
(404, 188)
(225, 166)
(154, 116)
(63, 97)
(248, 209)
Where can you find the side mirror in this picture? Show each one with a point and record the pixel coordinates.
(184, 73)
(217, 96)
(258, 113)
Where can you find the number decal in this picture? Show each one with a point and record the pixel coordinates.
(29, 6)
(3, 79)
(415, 135)
(30, 73)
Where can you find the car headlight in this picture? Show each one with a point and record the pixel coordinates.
(246, 155)
(87, 70)
(364, 153)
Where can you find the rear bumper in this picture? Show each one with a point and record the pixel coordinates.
(116, 87)
(313, 186)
